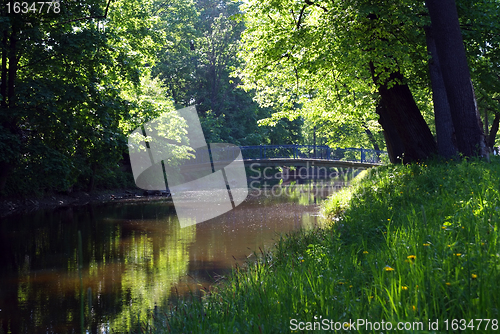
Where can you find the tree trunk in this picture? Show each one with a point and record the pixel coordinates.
(455, 70)
(395, 148)
(445, 132)
(371, 138)
(493, 131)
(8, 105)
(3, 87)
(400, 109)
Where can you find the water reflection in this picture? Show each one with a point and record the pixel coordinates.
(135, 257)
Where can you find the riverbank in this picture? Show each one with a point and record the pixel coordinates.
(410, 246)
(12, 205)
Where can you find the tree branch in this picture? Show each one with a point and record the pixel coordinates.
(300, 16)
(87, 17)
(310, 3)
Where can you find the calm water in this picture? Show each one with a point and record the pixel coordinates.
(135, 257)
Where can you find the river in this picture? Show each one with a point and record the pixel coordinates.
(134, 257)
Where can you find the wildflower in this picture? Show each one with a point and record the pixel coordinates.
(458, 254)
(443, 227)
(427, 245)
(365, 252)
(371, 297)
(447, 283)
(350, 286)
(341, 283)
(388, 219)
(412, 257)
(482, 243)
(414, 308)
(474, 276)
(302, 261)
(404, 288)
(387, 268)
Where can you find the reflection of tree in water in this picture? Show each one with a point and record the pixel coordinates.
(126, 269)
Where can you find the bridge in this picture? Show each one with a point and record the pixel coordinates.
(308, 156)
(311, 155)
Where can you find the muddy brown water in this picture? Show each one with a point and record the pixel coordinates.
(134, 257)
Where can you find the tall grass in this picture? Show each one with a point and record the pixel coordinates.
(416, 244)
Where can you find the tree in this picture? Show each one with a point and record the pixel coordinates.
(456, 76)
(293, 48)
(299, 48)
(62, 77)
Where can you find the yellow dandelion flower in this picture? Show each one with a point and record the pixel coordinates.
(412, 257)
(341, 283)
(365, 252)
(371, 297)
(414, 308)
(447, 283)
(387, 268)
(458, 254)
(482, 243)
(443, 227)
(416, 286)
(427, 245)
(474, 276)
(350, 286)
(404, 288)
(302, 261)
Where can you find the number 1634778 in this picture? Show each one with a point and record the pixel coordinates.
(33, 7)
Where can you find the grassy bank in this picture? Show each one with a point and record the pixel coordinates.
(406, 244)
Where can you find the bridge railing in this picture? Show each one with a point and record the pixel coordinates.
(312, 152)
(292, 152)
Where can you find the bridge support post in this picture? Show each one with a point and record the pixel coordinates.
(362, 155)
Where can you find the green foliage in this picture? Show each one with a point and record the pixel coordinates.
(312, 58)
(408, 243)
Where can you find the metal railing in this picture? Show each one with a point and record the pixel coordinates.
(263, 152)
(312, 152)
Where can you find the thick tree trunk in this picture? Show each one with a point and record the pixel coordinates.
(442, 116)
(395, 148)
(451, 53)
(400, 109)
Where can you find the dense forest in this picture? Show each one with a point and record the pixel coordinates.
(78, 76)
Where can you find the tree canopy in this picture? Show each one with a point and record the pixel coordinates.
(345, 58)
(76, 82)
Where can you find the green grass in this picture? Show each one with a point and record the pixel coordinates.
(406, 244)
